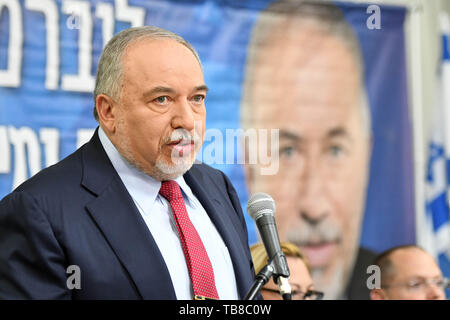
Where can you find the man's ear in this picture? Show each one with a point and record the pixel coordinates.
(378, 294)
(107, 112)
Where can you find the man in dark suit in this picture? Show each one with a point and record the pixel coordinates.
(128, 215)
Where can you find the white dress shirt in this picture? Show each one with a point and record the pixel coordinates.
(157, 214)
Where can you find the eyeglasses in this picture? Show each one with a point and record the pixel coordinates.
(299, 295)
(417, 285)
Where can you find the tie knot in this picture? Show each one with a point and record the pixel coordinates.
(170, 190)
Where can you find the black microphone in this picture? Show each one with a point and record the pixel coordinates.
(261, 207)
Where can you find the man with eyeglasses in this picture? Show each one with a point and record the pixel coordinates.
(409, 273)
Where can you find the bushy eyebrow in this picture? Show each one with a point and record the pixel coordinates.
(203, 87)
(157, 90)
(168, 90)
(286, 134)
(337, 132)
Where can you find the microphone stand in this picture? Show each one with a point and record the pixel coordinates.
(285, 288)
(261, 279)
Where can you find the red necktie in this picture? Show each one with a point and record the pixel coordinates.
(197, 260)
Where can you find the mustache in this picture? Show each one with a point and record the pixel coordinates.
(306, 234)
(182, 135)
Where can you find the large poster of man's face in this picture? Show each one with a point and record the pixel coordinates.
(305, 76)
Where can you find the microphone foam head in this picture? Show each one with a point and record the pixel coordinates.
(260, 203)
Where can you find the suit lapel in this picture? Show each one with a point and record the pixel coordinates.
(212, 204)
(123, 226)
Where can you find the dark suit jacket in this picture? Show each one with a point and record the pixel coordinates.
(78, 212)
(357, 287)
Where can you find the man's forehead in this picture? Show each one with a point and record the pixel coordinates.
(306, 64)
(409, 253)
(414, 261)
(158, 52)
(303, 38)
(316, 92)
(161, 61)
(330, 120)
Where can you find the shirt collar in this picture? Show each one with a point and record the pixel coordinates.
(187, 192)
(142, 187)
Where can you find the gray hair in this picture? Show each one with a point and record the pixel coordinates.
(109, 71)
(327, 17)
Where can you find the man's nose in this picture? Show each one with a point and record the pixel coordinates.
(183, 116)
(434, 292)
(313, 199)
(313, 218)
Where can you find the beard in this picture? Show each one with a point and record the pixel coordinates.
(162, 170)
(178, 165)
